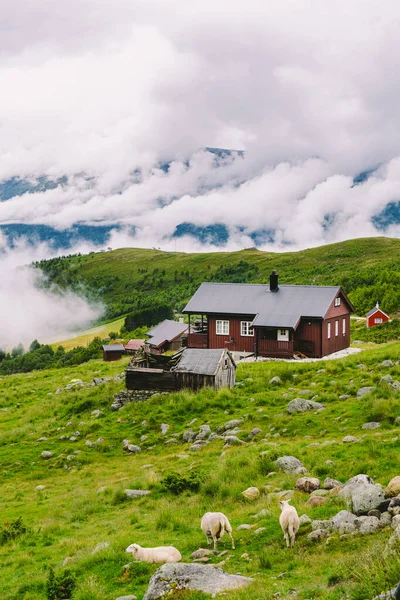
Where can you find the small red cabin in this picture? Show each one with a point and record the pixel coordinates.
(376, 316)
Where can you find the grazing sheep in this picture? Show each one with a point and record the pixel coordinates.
(290, 523)
(161, 554)
(214, 525)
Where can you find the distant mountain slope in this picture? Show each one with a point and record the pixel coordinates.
(130, 278)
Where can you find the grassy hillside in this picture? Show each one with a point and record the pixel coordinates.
(80, 503)
(127, 279)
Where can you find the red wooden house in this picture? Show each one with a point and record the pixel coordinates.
(376, 316)
(271, 320)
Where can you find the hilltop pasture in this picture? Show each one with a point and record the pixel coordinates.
(75, 515)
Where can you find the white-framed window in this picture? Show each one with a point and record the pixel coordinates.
(378, 320)
(344, 327)
(336, 328)
(329, 331)
(245, 329)
(283, 335)
(337, 301)
(222, 328)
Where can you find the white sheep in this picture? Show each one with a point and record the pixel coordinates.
(214, 525)
(160, 554)
(290, 523)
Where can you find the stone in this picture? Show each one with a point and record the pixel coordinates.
(314, 501)
(317, 535)
(203, 578)
(96, 413)
(136, 493)
(290, 465)
(232, 424)
(244, 526)
(89, 444)
(374, 513)
(393, 487)
(263, 513)
(343, 522)
(344, 397)
(320, 492)
(363, 391)
(307, 484)
(360, 366)
(132, 448)
(387, 363)
(387, 379)
(164, 428)
(367, 525)
(259, 530)
(204, 431)
(101, 546)
(386, 519)
(38, 488)
(350, 439)
(275, 380)
(215, 436)
(330, 483)
(128, 597)
(252, 493)
(395, 522)
(300, 405)
(371, 425)
(362, 495)
(188, 435)
(393, 594)
(254, 432)
(304, 392)
(232, 440)
(202, 552)
(324, 524)
(47, 454)
(42, 439)
(304, 520)
(394, 506)
(396, 385)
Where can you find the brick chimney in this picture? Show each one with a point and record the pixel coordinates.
(273, 282)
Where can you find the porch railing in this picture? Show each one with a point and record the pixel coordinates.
(275, 348)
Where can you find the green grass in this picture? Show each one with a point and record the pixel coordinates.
(83, 505)
(85, 337)
(132, 278)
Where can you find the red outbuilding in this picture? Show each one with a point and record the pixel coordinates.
(376, 316)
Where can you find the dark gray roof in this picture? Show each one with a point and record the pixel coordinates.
(114, 348)
(271, 309)
(200, 361)
(165, 332)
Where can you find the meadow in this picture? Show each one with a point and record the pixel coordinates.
(78, 522)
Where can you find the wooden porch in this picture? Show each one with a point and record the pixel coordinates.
(274, 348)
(197, 340)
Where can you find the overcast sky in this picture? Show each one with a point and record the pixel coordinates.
(309, 89)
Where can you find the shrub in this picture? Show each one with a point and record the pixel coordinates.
(177, 483)
(13, 530)
(59, 586)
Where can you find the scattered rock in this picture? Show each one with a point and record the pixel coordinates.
(259, 530)
(387, 379)
(202, 552)
(330, 483)
(232, 440)
(232, 424)
(244, 526)
(164, 428)
(394, 506)
(350, 439)
(188, 435)
(132, 448)
(371, 425)
(275, 380)
(96, 413)
(305, 520)
(252, 493)
(307, 484)
(47, 454)
(374, 513)
(136, 493)
(290, 464)
(129, 597)
(263, 513)
(101, 546)
(300, 405)
(205, 431)
(386, 363)
(38, 488)
(362, 495)
(324, 524)
(386, 519)
(393, 488)
(367, 525)
(314, 501)
(254, 432)
(344, 397)
(317, 535)
(363, 391)
(395, 522)
(204, 578)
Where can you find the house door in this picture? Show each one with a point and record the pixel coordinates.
(283, 335)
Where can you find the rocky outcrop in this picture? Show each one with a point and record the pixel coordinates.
(291, 465)
(300, 405)
(362, 495)
(203, 578)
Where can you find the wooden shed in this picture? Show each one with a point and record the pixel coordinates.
(191, 368)
(133, 346)
(167, 335)
(376, 316)
(113, 352)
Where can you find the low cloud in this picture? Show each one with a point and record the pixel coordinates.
(29, 310)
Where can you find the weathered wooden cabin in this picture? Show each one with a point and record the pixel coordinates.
(191, 368)
(113, 352)
(167, 335)
(270, 320)
(376, 316)
(133, 346)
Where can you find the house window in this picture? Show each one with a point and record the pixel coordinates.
(337, 301)
(283, 335)
(344, 327)
(336, 327)
(246, 329)
(329, 331)
(378, 320)
(222, 328)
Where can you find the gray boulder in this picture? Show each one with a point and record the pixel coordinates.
(307, 484)
(275, 380)
(394, 506)
(164, 428)
(393, 594)
(366, 525)
(371, 425)
(291, 465)
(203, 578)
(232, 440)
(232, 424)
(387, 379)
(361, 495)
(330, 483)
(46, 454)
(300, 405)
(363, 391)
(204, 432)
(137, 493)
(188, 435)
(317, 535)
(344, 521)
(350, 439)
(387, 363)
(254, 432)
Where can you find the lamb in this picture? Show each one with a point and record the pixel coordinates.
(161, 554)
(214, 525)
(289, 521)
